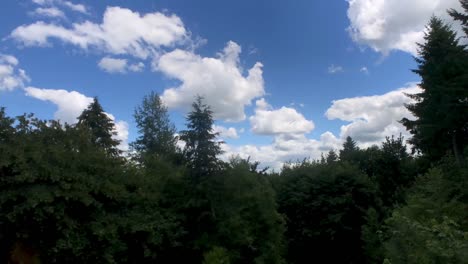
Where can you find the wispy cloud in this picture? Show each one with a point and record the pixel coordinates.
(332, 69)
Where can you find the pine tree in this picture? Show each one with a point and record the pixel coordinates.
(440, 109)
(156, 130)
(349, 150)
(201, 147)
(100, 126)
(332, 157)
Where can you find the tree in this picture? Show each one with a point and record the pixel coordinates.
(349, 151)
(156, 130)
(463, 18)
(331, 157)
(64, 200)
(432, 226)
(100, 126)
(325, 207)
(201, 148)
(440, 108)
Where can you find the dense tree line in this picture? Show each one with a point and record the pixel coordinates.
(69, 195)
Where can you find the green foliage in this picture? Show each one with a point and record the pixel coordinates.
(65, 198)
(349, 151)
(100, 127)
(433, 226)
(201, 149)
(325, 206)
(216, 256)
(157, 133)
(247, 222)
(441, 125)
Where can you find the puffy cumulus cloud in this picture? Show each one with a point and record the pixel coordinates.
(219, 80)
(373, 117)
(71, 104)
(284, 148)
(387, 25)
(285, 120)
(49, 12)
(11, 77)
(113, 65)
(225, 132)
(122, 31)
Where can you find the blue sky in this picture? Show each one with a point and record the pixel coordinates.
(287, 79)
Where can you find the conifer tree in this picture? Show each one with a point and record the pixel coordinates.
(201, 147)
(442, 124)
(156, 130)
(100, 126)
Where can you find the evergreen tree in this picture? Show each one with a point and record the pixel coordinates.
(331, 157)
(201, 147)
(156, 130)
(442, 124)
(100, 126)
(348, 153)
(463, 18)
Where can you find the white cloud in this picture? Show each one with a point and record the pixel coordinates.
(373, 117)
(364, 70)
(219, 80)
(136, 67)
(284, 148)
(122, 31)
(285, 120)
(225, 132)
(11, 77)
(49, 12)
(71, 104)
(75, 7)
(394, 25)
(332, 69)
(112, 65)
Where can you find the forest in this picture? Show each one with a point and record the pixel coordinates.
(69, 195)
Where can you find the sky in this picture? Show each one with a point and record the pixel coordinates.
(286, 80)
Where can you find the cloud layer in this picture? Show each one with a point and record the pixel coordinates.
(394, 25)
(122, 31)
(371, 118)
(219, 80)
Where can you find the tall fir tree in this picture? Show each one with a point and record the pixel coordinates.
(100, 126)
(201, 147)
(442, 124)
(156, 130)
